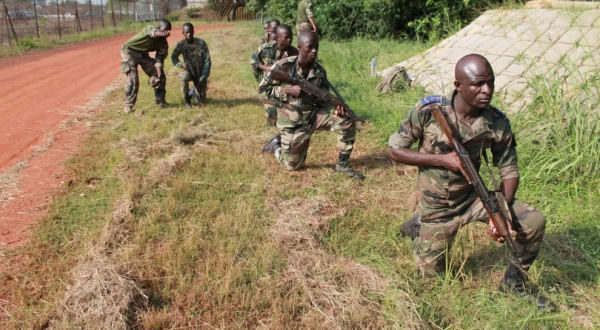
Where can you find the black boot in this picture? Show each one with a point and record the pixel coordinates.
(411, 227)
(272, 145)
(188, 102)
(514, 282)
(343, 166)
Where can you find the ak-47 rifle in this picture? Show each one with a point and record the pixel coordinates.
(320, 94)
(195, 79)
(489, 200)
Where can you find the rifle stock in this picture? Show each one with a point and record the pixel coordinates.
(311, 89)
(489, 200)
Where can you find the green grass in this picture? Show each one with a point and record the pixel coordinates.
(220, 236)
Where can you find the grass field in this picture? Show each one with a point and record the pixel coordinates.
(175, 220)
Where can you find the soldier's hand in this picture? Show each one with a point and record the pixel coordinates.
(340, 111)
(185, 66)
(294, 90)
(492, 231)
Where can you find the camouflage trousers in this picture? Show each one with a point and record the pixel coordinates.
(437, 235)
(185, 78)
(295, 135)
(302, 27)
(270, 112)
(129, 66)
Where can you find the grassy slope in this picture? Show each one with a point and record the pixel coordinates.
(218, 235)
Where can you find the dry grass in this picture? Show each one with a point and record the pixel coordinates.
(342, 293)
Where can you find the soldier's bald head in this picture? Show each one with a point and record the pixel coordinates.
(307, 37)
(283, 28)
(471, 66)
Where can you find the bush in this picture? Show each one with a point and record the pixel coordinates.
(172, 17)
(377, 19)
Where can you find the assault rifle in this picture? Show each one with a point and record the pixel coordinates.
(195, 79)
(320, 94)
(489, 200)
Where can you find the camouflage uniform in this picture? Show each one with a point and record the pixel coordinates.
(268, 54)
(298, 118)
(135, 51)
(305, 11)
(447, 200)
(196, 56)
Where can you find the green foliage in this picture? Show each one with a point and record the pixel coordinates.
(173, 17)
(563, 127)
(423, 20)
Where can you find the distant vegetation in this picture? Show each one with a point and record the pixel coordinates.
(376, 19)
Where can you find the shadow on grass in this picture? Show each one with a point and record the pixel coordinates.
(230, 103)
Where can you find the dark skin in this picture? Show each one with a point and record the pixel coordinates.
(188, 33)
(475, 85)
(284, 40)
(273, 26)
(162, 32)
(308, 49)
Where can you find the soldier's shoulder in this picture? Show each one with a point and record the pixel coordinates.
(319, 68)
(293, 51)
(287, 61)
(199, 41)
(499, 119)
(428, 102)
(180, 43)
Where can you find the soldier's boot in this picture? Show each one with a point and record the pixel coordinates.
(188, 102)
(128, 109)
(514, 282)
(411, 227)
(343, 166)
(272, 145)
(162, 104)
(271, 122)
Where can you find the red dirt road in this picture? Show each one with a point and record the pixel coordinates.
(40, 94)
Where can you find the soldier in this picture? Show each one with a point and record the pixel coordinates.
(268, 54)
(300, 114)
(265, 36)
(305, 20)
(273, 25)
(196, 61)
(448, 201)
(135, 52)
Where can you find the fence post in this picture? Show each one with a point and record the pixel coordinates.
(112, 9)
(58, 18)
(102, 13)
(78, 21)
(134, 11)
(37, 27)
(3, 19)
(153, 10)
(91, 17)
(120, 12)
(127, 8)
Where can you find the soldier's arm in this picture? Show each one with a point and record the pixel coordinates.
(504, 156)
(175, 56)
(207, 64)
(409, 132)
(270, 88)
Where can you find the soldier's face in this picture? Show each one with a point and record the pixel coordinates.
(309, 48)
(188, 33)
(273, 27)
(477, 85)
(284, 40)
(266, 27)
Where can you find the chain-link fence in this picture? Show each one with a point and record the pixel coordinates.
(35, 18)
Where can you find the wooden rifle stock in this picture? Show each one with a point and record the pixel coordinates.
(489, 200)
(311, 89)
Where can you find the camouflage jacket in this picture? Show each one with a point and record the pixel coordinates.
(268, 54)
(305, 11)
(444, 193)
(196, 55)
(145, 42)
(291, 107)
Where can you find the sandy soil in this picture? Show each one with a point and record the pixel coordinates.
(41, 123)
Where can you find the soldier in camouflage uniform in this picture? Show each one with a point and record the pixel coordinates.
(265, 36)
(305, 21)
(448, 201)
(135, 52)
(196, 60)
(266, 56)
(299, 115)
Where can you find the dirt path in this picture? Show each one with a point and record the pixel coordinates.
(40, 126)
